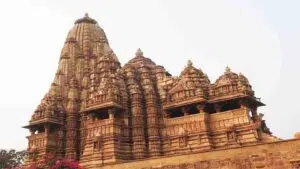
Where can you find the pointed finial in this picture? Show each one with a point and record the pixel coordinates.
(189, 63)
(85, 19)
(139, 53)
(227, 69)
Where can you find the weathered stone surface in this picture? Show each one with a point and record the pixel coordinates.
(139, 116)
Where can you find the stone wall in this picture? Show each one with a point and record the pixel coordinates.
(277, 155)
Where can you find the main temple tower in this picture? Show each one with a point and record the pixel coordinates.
(103, 114)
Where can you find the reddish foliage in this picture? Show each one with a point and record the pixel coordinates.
(51, 162)
(66, 164)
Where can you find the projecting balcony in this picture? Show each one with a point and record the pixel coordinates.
(103, 101)
(106, 127)
(39, 118)
(184, 119)
(41, 141)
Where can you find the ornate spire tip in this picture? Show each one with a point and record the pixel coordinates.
(139, 53)
(189, 63)
(227, 69)
(85, 19)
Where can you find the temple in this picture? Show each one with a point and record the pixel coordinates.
(105, 115)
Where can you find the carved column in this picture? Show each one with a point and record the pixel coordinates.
(31, 131)
(138, 135)
(217, 107)
(154, 144)
(205, 138)
(254, 113)
(46, 126)
(71, 121)
(200, 108)
(111, 113)
(153, 128)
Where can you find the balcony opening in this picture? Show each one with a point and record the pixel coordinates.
(40, 129)
(118, 114)
(101, 115)
(230, 106)
(176, 113)
(209, 109)
(193, 110)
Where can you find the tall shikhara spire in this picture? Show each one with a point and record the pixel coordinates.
(100, 113)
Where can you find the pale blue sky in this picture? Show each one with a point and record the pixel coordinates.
(259, 38)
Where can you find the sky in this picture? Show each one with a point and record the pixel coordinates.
(255, 37)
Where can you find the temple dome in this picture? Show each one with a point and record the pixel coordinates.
(87, 33)
(192, 83)
(231, 83)
(196, 74)
(228, 78)
(139, 58)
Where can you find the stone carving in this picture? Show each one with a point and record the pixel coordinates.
(99, 112)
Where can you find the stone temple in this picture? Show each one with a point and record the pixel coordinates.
(105, 115)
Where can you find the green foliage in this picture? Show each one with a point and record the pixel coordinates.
(168, 74)
(11, 158)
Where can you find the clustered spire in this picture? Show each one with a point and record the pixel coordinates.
(102, 112)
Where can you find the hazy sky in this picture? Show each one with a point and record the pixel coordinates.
(259, 38)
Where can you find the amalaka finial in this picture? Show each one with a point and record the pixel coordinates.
(189, 63)
(139, 53)
(85, 19)
(227, 69)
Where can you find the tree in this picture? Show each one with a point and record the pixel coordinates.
(11, 159)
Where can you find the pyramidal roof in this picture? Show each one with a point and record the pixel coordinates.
(87, 34)
(85, 56)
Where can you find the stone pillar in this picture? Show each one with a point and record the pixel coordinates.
(200, 108)
(72, 121)
(217, 107)
(205, 141)
(254, 113)
(242, 104)
(138, 134)
(46, 129)
(154, 140)
(31, 131)
(111, 113)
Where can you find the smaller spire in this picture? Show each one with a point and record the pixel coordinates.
(139, 53)
(86, 15)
